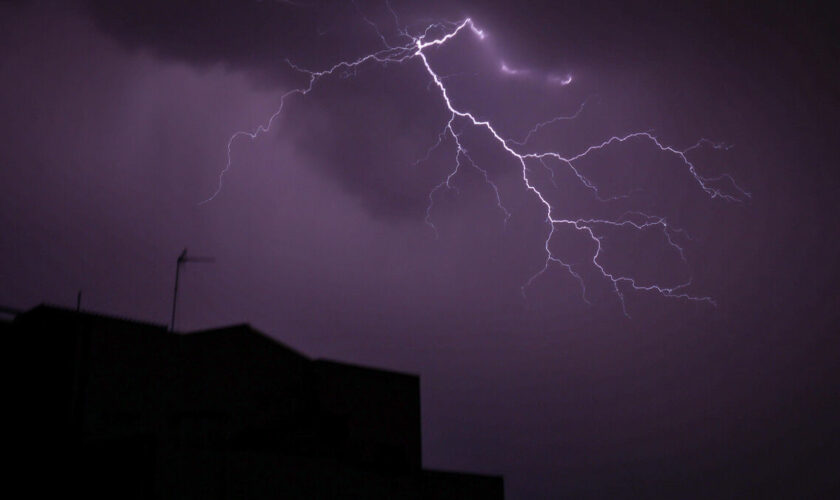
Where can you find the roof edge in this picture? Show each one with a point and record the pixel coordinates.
(248, 328)
(91, 314)
(365, 367)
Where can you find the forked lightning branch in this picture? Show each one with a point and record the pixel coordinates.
(415, 48)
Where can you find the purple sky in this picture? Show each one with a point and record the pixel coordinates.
(115, 121)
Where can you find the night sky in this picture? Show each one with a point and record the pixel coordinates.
(115, 121)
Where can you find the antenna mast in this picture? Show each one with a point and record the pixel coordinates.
(183, 259)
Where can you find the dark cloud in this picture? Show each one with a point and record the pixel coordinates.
(708, 43)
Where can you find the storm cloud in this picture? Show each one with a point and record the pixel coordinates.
(116, 119)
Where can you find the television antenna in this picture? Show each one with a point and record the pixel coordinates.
(183, 259)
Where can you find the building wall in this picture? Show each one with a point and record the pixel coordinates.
(115, 408)
(379, 410)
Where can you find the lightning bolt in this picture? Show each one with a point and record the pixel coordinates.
(415, 47)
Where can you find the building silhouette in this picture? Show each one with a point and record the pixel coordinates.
(106, 407)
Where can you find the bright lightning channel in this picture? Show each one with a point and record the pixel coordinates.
(415, 48)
